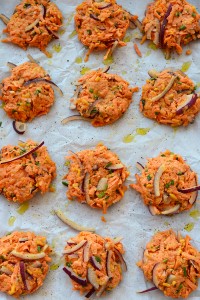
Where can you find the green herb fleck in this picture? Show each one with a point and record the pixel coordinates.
(91, 90)
(143, 102)
(171, 182)
(26, 5)
(38, 248)
(179, 288)
(188, 227)
(108, 164)
(89, 31)
(180, 173)
(182, 27)
(37, 163)
(177, 14)
(68, 264)
(149, 177)
(98, 259)
(37, 91)
(165, 260)
(65, 183)
(101, 195)
(193, 15)
(0, 124)
(184, 272)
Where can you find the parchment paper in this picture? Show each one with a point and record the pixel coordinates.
(128, 218)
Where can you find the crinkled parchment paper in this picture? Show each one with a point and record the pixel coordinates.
(129, 218)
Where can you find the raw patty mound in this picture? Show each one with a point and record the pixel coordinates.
(172, 263)
(34, 24)
(170, 24)
(169, 98)
(24, 259)
(94, 263)
(102, 97)
(100, 25)
(24, 100)
(161, 181)
(21, 179)
(96, 177)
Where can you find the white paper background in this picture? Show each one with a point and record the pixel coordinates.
(129, 218)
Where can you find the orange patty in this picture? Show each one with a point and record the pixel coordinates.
(101, 24)
(169, 98)
(34, 24)
(172, 263)
(160, 183)
(95, 264)
(103, 97)
(23, 99)
(171, 24)
(24, 259)
(96, 177)
(21, 179)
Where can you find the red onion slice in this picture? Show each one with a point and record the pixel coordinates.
(108, 262)
(164, 24)
(104, 5)
(115, 167)
(94, 17)
(164, 92)
(75, 248)
(5, 270)
(23, 155)
(171, 278)
(70, 242)
(11, 65)
(31, 59)
(189, 190)
(23, 239)
(190, 100)
(155, 278)
(92, 278)
(90, 293)
(106, 69)
(139, 166)
(52, 33)
(157, 177)
(74, 118)
(102, 289)
(153, 210)
(23, 275)
(86, 252)
(86, 187)
(117, 240)
(148, 290)
(171, 210)
(138, 24)
(36, 264)
(132, 25)
(72, 224)
(32, 25)
(122, 260)
(5, 19)
(35, 80)
(193, 197)
(28, 256)
(153, 73)
(19, 127)
(102, 184)
(95, 263)
(75, 277)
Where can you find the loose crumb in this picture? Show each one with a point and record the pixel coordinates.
(103, 219)
(188, 52)
(137, 50)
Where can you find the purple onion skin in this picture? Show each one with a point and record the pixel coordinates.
(106, 6)
(190, 190)
(22, 272)
(15, 128)
(92, 261)
(164, 24)
(189, 104)
(148, 290)
(94, 17)
(82, 282)
(90, 293)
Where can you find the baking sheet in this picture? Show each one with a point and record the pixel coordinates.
(128, 218)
